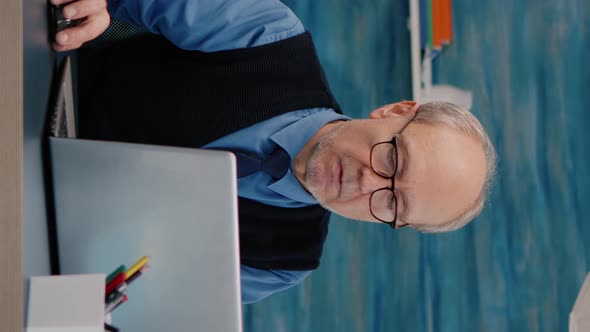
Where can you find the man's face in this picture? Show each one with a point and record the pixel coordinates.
(440, 170)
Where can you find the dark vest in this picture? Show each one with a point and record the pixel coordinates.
(146, 90)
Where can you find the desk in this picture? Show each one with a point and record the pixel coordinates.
(11, 102)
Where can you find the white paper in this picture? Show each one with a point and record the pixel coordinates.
(66, 303)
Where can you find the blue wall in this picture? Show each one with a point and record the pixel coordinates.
(519, 266)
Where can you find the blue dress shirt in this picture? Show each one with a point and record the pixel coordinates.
(214, 25)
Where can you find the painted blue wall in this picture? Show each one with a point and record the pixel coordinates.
(519, 266)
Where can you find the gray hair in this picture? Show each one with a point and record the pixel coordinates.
(455, 117)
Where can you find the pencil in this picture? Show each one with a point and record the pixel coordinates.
(136, 275)
(140, 263)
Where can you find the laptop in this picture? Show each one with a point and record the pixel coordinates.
(116, 202)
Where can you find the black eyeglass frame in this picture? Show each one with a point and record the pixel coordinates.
(393, 142)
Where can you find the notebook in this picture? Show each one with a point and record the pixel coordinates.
(116, 202)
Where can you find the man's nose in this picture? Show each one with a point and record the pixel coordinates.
(371, 181)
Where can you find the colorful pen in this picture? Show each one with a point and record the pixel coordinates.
(110, 328)
(115, 273)
(125, 298)
(114, 294)
(122, 287)
(109, 306)
(115, 283)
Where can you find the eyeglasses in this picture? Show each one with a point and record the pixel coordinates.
(383, 160)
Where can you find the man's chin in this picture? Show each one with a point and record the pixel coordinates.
(326, 206)
(319, 198)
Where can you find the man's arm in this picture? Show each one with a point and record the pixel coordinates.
(205, 25)
(96, 21)
(211, 25)
(258, 284)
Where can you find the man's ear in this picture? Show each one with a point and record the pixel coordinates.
(388, 110)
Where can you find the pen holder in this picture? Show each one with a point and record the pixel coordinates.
(66, 303)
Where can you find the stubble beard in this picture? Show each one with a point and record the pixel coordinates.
(315, 164)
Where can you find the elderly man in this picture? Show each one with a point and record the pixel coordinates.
(244, 76)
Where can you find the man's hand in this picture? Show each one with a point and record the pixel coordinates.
(95, 17)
